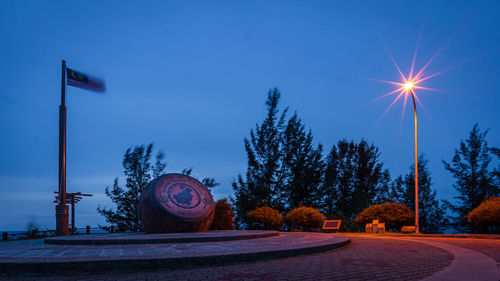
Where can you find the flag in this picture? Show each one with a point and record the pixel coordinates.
(84, 81)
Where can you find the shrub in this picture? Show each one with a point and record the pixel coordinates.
(305, 218)
(394, 215)
(33, 231)
(487, 215)
(223, 218)
(264, 218)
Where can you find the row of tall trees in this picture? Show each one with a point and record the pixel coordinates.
(353, 179)
(286, 170)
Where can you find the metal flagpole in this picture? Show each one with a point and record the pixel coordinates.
(61, 208)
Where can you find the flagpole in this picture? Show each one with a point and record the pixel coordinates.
(61, 208)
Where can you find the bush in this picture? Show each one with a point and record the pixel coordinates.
(264, 218)
(394, 215)
(34, 231)
(305, 218)
(223, 218)
(487, 215)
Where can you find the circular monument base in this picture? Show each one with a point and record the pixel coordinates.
(34, 257)
(160, 238)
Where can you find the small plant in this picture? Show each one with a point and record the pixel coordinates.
(223, 218)
(394, 215)
(305, 218)
(265, 218)
(487, 215)
(33, 231)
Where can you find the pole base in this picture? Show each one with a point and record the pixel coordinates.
(62, 220)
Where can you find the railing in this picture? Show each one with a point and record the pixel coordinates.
(37, 233)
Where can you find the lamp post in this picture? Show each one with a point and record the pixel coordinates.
(408, 86)
(405, 88)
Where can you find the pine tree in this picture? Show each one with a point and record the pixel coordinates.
(337, 184)
(354, 179)
(474, 181)
(139, 171)
(263, 180)
(302, 166)
(208, 182)
(496, 171)
(431, 212)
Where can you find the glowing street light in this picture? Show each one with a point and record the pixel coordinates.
(406, 88)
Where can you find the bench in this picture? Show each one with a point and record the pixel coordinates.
(408, 229)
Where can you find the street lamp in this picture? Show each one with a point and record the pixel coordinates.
(408, 86)
(405, 87)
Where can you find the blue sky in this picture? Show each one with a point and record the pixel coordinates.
(192, 77)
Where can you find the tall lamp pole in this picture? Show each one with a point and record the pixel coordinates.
(409, 88)
(405, 87)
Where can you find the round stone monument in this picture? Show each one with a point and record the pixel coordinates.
(176, 203)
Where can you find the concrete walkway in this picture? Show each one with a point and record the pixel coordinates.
(367, 257)
(467, 264)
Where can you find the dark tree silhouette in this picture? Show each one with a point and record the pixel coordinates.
(263, 180)
(496, 171)
(474, 181)
(354, 179)
(208, 182)
(139, 171)
(302, 166)
(432, 217)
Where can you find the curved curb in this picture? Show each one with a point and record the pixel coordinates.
(467, 265)
(121, 264)
(155, 239)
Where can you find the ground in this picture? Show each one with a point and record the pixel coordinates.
(365, 258)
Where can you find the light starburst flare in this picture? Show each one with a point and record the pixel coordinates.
(411, 82)
(405, 88)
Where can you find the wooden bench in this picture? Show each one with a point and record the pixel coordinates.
(408, 229)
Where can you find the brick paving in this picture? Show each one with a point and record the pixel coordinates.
(36, 257)
(488, 247)
(364, 259)
(37, 251)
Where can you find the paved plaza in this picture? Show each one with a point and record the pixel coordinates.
(364, 258)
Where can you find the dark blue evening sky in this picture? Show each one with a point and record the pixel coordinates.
(192, 77)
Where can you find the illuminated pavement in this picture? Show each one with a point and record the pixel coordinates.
(365, 258)
(37, 257)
